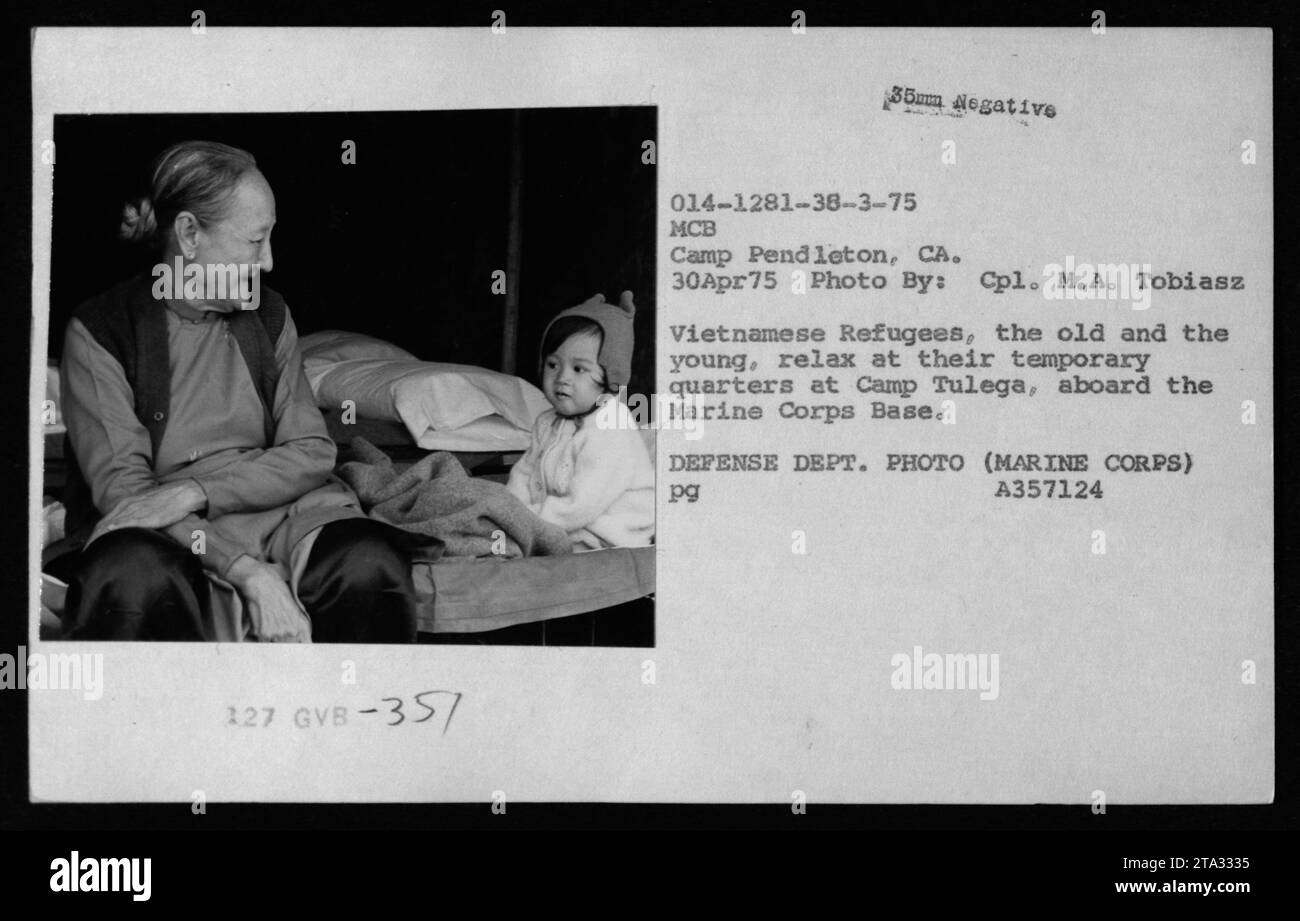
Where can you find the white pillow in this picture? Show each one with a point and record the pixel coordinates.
(425, 395)
(336, 345)
(491, 433)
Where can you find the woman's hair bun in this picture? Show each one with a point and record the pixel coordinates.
(138, 221)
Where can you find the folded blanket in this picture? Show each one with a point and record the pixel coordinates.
(437, 499)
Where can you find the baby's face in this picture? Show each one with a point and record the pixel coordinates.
(571, 377)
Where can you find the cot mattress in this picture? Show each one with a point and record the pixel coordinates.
(475, 595)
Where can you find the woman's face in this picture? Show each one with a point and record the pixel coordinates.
(242, 238)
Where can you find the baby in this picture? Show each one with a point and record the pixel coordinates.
(587, 469)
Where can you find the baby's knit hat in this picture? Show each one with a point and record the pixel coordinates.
(615, 321)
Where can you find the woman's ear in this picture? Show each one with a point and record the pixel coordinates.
(186, 227)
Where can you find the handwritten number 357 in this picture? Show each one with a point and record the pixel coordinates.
(396, 709)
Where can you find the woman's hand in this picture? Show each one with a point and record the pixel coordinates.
(158, 508)
(274, 611)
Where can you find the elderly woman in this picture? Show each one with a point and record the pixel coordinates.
(209, 497)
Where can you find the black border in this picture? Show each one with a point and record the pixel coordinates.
(15, 272)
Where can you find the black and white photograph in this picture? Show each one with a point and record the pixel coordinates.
(293, 399)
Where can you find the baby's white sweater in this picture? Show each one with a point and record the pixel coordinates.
(591, 476)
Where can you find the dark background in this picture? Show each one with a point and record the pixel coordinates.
(402, 245)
